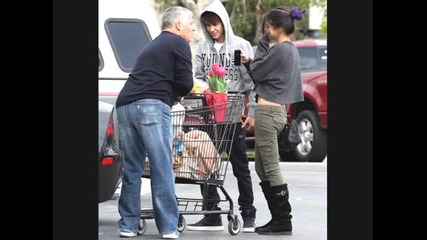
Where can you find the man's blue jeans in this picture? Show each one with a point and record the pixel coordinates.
(146, 131)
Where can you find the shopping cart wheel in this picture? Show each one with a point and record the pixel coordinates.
(182, 224)
(142, 227)
(234, 225)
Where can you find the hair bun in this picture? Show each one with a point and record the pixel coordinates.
(296, 13)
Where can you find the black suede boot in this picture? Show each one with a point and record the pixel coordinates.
(265, 186)
(280, 209)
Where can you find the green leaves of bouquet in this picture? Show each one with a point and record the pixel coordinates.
(217, 79)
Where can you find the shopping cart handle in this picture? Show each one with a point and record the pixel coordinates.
(243, 92)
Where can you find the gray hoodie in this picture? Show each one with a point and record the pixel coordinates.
(206, 55)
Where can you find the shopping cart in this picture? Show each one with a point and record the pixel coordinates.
(203, 134)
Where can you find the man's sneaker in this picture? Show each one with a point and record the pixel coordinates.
(207, 223)
(140, 230)
(248, 225)
(173, 235)
(123, 233)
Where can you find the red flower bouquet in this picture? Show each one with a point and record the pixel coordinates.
(217, 79)
(216, 95)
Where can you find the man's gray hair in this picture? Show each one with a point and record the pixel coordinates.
(172, 14)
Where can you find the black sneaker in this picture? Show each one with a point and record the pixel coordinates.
(207, 223)
(248, 225)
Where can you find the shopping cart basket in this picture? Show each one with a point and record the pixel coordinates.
(203, 136)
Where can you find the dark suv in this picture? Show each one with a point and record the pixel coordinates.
(310, 114)
(110, 157)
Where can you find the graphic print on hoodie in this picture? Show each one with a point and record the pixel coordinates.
(206, 54)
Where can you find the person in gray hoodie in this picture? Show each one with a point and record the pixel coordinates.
(218, 47)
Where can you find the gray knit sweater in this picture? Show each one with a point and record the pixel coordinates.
(276, 72)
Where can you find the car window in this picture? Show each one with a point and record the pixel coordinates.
(313, 58)
(127, 38)
(323, 57)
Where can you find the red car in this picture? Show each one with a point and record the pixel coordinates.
(311, 114)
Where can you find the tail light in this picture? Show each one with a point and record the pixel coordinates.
(107, 161)
(109, 154)
(110, 129)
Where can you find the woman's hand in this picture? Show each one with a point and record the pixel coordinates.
(243, 56)
(267, 37)
(249, 123)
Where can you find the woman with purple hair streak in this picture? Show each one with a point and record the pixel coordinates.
(277, 76)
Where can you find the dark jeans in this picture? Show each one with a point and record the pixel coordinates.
(239, 161)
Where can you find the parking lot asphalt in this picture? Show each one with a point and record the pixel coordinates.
(308, 194)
